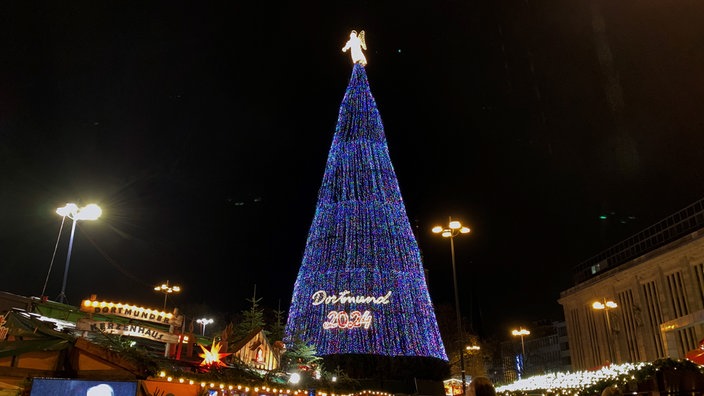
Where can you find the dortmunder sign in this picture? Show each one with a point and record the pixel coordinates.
(131, 311)
(343, 319)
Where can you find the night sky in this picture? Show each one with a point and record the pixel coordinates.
(203, 132)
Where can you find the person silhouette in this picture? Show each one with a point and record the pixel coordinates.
(481, 386)
(612, 390)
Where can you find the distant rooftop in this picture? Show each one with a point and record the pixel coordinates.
(670, 229)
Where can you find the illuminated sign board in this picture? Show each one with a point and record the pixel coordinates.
(342, 319)
(127, 329)
(131, 311)
(321, 297)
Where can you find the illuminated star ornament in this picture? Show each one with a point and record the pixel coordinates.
(356, 44)
(212, 357)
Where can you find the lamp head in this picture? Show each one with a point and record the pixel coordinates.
(521, 332)
(69, 210)
(72, 211)
(90, 212)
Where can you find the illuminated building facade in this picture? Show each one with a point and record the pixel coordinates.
(649, 291)
(361, 287)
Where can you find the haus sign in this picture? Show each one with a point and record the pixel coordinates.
(127, 329)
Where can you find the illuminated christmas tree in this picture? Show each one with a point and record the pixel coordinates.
(361, 288)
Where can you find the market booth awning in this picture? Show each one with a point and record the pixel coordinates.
(34, 346)
(697, 355)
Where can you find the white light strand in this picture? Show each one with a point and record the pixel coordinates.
(569, 380)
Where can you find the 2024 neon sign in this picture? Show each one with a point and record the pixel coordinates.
(342, 320)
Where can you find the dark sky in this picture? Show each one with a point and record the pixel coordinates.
(203, 131)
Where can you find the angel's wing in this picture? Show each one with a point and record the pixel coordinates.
(362, 42)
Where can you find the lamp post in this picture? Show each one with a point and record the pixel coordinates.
(73, 212)
(453, 229)
(522, 333)
(605, 305)
(167, 289)
(204, 322)
(53, 256)
(471, 351)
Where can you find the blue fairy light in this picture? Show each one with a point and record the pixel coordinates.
(361, 288)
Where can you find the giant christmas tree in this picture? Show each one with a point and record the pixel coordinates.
(361, 287)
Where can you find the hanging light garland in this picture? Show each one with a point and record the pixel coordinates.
(590, 382)
(238, 389)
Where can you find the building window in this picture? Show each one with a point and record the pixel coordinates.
(630, 323)
(699, 273)
(654, 315)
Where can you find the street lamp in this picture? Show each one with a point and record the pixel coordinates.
(167, 289)
(53, 256)
(472, 348)
(522, 333)
(453, 229)
(606, 305)
(73, 212)
(204, 322)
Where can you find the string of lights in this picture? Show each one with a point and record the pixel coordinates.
(591, 382)
(571, 382)
(578, 383)
(238, 389)
(361, 245)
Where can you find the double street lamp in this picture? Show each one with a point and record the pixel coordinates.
(472, 348)
(522, 333)
(453, 229)
(167, 289)
(472, 351)
(605, 305)
(204, 322)
(73, 212)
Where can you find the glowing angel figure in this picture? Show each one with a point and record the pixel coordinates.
(356, 44)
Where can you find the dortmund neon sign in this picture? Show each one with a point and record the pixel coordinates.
(337, 319)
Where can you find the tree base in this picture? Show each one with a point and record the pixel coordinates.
(388, 368)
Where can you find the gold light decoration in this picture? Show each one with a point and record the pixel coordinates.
(213, 356)
(356, 44)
